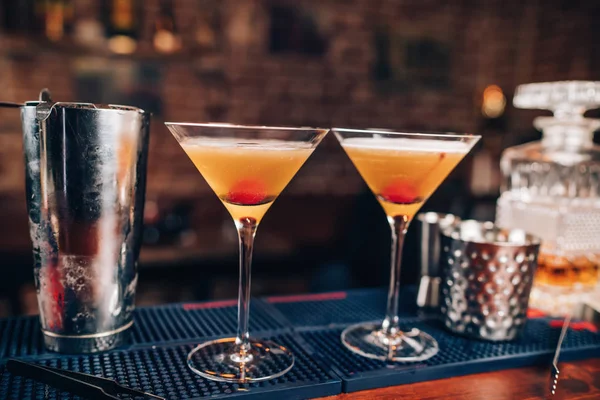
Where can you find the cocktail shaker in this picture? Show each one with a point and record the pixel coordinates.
(85, 184)
(429, 226)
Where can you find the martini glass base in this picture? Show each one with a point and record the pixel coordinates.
(220, 360)
(371, 341)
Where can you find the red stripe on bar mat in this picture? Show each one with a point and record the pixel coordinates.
(308, 297)
(535, 313)
(576, 326)
(212, 304)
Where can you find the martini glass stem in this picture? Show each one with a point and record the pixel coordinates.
(246, 232)
(399, 226)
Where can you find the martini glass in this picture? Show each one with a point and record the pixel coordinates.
(402, 170)
(247, 167)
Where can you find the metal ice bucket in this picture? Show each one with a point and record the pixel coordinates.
(487, 277)
(85, 181)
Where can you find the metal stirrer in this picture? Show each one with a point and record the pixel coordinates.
(44, 96)
(10, 104)
(555, 370)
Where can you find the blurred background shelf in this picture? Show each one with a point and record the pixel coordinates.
(385, 64)
(27, 47)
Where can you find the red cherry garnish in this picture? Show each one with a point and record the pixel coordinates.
(247, 192)
(400, 191)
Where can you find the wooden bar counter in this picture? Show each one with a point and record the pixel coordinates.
(578, 380)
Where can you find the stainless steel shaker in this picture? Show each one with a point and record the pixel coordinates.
(487, 277)
(429, 226)
(85, 182)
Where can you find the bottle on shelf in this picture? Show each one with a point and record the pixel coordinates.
(551, 188)
(122, 24)
(57, 16)
(166, 38)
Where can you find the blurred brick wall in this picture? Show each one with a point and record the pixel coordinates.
(491, 41)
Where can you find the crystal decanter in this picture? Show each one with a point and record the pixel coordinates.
(551, 188)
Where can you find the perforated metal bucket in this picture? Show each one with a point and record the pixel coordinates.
(487, 275)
